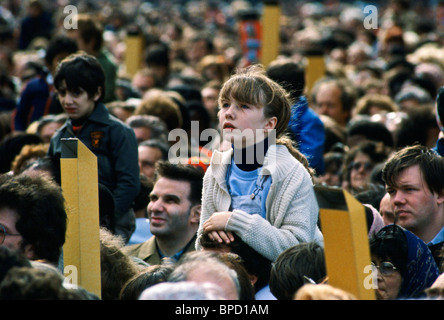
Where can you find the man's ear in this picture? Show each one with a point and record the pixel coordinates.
(28, 250)
(195, 213)
(440, 199)
(98, 94)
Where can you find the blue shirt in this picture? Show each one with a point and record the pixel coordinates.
(439, 238)
(142, 232)
(244, 183)
(439, 148)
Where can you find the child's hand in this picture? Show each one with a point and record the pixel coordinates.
(215, 226)
(221, 236)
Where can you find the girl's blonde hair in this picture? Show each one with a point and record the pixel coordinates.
(252, 86)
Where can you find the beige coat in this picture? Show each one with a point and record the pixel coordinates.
(291, 207)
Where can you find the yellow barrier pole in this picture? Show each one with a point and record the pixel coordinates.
(346, 245)
(314, 71)
(270, 31)
(134, 50)
(79, 180)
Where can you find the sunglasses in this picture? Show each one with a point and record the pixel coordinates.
(368, 166)
(385, 268)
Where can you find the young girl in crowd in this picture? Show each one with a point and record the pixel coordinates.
(261, 188)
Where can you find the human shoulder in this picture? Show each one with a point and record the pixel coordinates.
(278, 156)
(283, 166)
(102, 115)
(37, 84)
(219, 163)
(60, 132)
(106, 59)
(143, 250)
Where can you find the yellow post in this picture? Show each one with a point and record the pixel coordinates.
(79, 179)
(133, 53)
(270, 31)
(314, 71)
(346, 245)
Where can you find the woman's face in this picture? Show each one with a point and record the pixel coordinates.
(360, 171)
(388, 285)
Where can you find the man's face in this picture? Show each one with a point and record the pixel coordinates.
(197, 51)
(76, 105)
(56, 60)
(386, 210)
(415, 207)
(169, 210)
(328, 102)
(142, 83)
(209, 99)
(142, 133)
(8, 219)
(81, 44)
(48, 131)
(148, 157)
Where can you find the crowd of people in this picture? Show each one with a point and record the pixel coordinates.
(208, 160)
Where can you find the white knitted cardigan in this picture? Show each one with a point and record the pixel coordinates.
(292, 208)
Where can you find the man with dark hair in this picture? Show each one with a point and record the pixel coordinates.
(89, 38)
(151, 151)
(32, 217)
(365, 129)
(37, 23)
(38, 98)
(305, 126)
(147, 127)
(200, 45)
(157, 60)
(257, 266)
(295, 267)
(334, 98)
(174, 213)
(413, 178)
(80, 82)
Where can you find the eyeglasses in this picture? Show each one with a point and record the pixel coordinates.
(385, 268)
(368, 166)
(3, 234)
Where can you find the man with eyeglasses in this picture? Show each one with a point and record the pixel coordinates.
(32, 217)
(414, 181)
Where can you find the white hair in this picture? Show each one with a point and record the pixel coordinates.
(183, 290)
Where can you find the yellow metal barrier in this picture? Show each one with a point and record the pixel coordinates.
(80, 188)
(346, 245)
